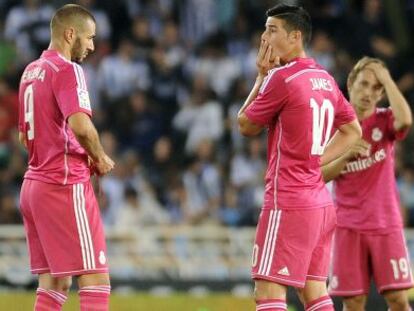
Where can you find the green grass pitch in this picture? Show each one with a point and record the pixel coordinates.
(131, 302)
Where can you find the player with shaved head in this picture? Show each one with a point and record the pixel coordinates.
(76, 23)
(61, 216)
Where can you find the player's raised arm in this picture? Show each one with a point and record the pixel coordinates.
(264, 62)
(87, 136)
(247, 127)
(400, 108)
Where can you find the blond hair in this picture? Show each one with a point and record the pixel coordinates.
(359, 66)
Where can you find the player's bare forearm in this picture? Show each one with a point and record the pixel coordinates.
(86, 135)
(90, 142)
(332, 170)
(343, 139)
(253, 93)
(400, 108)
(246, 127)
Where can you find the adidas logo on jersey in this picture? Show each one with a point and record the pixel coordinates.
(284, 271)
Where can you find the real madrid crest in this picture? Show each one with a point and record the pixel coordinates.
(376, 134)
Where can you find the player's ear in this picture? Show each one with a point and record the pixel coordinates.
(295, 36)
(69, 34)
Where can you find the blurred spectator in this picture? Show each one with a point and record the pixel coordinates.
(8, 110)
(27, 25)
(162, 168)
(134, 214)
(229, 213)
(177, 200)
(247, 172)
(102, 21)
(9, 213)
(135, 177)
(8, 55)
(238, 43)
(120, 74)
(144, 124)
(202, 182)
(371, 32)
(165, 83)
(175, 48)
(215, 65)
(198, 19)
(239, 92)
(248, 63)
(322, 50)
(201, 117)
(406, 188)
(91, 69)
(141, 36)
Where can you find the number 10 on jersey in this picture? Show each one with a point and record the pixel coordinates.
(320, 116)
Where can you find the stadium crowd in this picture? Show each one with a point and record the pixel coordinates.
(166, 81)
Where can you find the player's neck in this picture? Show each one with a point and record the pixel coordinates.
(364, 114)
(296, 53)
(56, 46)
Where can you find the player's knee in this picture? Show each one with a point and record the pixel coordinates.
(93, 279)
(269, 290)
(397, 300)
(355, 303)
(260, 292)
(63, 284)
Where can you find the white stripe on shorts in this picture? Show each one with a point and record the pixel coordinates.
(270, 223)
(270, 242)
(88, 231)
(273, 245)
(83, 227)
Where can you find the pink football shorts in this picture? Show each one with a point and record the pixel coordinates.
(293, 246)
(358, 256)
(64, 230)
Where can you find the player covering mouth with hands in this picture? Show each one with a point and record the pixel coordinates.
(299, 104)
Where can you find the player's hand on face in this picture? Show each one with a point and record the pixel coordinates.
(360, 149)
(104, 165)
(266, 58)
(382, 73)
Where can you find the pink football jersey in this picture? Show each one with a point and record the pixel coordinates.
(366, 192)
(299, 103)
(51, 89)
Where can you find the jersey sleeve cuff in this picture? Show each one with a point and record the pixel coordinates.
(88, 112)
(254, 119)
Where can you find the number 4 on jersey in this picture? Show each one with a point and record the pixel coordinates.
(321, 115)
(28, 111)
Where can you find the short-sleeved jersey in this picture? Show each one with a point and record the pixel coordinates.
(366, 191)
(52, 89)
(300, 104)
